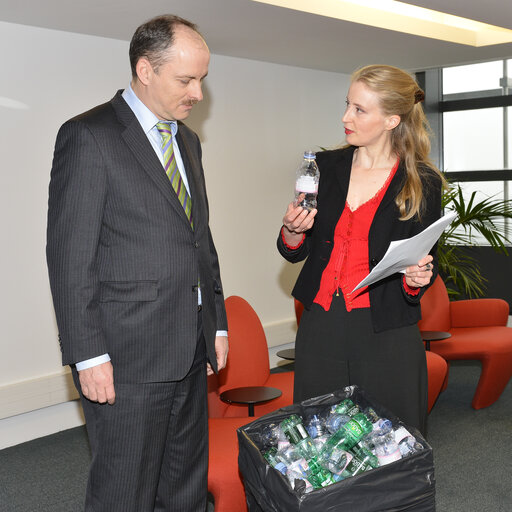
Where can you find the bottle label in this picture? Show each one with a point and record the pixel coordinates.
(356, 466)
(296, 433)
(390, 457)
(353, 411)
(307, 185)
(354, 428)
(401, 433)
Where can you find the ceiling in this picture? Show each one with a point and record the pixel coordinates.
(242, 28)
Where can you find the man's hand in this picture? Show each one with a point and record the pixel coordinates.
(97, 383)
(221, 350)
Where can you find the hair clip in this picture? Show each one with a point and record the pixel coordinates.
(419, 95)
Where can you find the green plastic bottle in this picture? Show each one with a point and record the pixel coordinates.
(348, 435)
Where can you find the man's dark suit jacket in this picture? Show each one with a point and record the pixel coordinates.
(391, 306)
(124, 262)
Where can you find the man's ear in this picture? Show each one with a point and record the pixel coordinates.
(144, 70)
(392, 122)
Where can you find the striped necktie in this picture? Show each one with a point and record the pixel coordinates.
(172, 171)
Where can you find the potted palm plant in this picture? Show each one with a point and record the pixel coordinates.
(475, 220)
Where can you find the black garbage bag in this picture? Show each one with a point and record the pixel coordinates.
(407, 484)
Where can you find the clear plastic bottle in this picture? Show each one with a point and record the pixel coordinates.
(386, 447)
(315, 425)
(307, 180)
(270, 435)
(271, 457)
(336, 460)
(335, 421)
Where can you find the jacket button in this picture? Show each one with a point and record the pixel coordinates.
(373, 262)
(196, 244)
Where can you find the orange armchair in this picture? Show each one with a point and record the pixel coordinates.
(478, 331)
(248, 365)
(437, 368)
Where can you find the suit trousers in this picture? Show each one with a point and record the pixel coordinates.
(150, 448)
(337, 348)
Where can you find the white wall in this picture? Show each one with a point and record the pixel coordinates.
(255, 121)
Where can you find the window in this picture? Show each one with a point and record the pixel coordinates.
(470, 110)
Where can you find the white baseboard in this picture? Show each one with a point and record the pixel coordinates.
(42, 422)
(29, 395)
(46, 405)
(281, 332)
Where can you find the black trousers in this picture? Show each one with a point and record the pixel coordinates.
(150, 449)
(337, 348)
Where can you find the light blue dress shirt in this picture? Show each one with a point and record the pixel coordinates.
(148, 121)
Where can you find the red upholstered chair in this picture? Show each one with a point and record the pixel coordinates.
(437, 367)
(248, 365)
(224, 479)
(437, 370)
(478, 331)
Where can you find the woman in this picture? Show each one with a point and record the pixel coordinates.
(381, 187)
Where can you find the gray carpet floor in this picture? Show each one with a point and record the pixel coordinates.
(472, 453)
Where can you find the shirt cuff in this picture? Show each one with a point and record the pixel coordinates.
(409, 289)
(292, 247)
(95, 361)
(222, 333)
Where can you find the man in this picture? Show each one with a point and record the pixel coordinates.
(135, 278)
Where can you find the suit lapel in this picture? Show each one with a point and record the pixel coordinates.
(138, 143)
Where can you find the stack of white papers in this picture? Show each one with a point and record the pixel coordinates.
(404, 253)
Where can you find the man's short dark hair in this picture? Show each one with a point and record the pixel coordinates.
(153, 38)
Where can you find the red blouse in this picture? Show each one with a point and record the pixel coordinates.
(348, 263)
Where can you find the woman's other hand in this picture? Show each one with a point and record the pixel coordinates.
(417, 276)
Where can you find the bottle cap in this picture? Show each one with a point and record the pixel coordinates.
(309, 154)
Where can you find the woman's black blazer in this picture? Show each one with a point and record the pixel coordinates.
(391, 306)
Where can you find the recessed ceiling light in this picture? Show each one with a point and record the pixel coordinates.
(402, 17)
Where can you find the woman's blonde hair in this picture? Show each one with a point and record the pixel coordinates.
(399, 94)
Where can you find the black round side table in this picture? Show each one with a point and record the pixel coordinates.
(287, 353)
(428, 336)
(250, 395)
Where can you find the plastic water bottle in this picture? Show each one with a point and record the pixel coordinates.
(288, 454)
(335, 421)
(354, 467)
(336, 460)
(307, 180)
(372, 415)
(318, 475)
(349, 434)
(274, 461)
(270, 435)
(320, 441)
(407, 443)
(408, 446)
(346, 407)
(386, 447)
(315, 426)
(365, 455)
(296, 471)
(297, 435)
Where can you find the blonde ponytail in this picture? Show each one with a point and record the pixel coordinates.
(399, 94)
